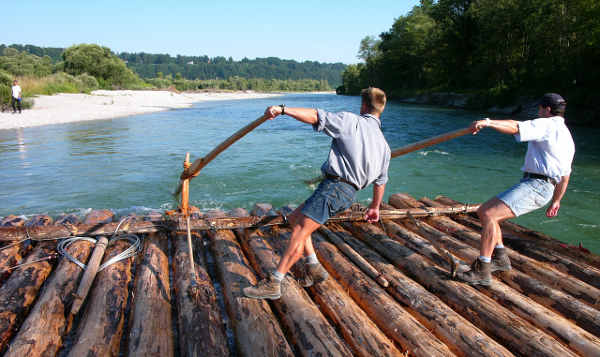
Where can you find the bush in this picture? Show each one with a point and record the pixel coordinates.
(6, 78)
(5, 94)
(88, 82)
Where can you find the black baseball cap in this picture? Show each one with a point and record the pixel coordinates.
(552, 100)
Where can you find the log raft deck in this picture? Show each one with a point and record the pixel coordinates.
(390, 291)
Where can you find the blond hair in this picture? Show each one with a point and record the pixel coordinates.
(374, 98)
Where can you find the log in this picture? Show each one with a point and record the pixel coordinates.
(552, 323)
(512, 331)
(150, 332)
(360, 333)
(569, 261)
(47, 324)
(307, 328)
(9, 234)
(19, 292)
(356, 258)
(13, 253)
(257, 331)
(462, 337)
(391, 318)
(543, 272)
(199, 319)
(101, 326)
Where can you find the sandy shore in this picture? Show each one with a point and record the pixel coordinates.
(103, 104)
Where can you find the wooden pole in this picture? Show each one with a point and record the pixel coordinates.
(431, 141)
(356, 258)
(417, 146)
(200, 163)
(88, 276)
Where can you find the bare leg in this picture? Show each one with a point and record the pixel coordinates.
(301, 231)
(491, 214)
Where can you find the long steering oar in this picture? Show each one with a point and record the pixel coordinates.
(417, 146)
(193, 170)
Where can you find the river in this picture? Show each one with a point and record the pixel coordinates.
(133, 163)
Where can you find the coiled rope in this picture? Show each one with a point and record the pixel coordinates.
(133, 249)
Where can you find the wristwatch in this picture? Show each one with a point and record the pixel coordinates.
(282, 109)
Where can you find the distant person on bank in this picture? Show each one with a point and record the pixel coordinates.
(16, 96)
(546, 173)
(359, 156)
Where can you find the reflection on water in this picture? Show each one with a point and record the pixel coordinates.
(136, 162)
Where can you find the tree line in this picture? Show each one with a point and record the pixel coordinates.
(494, 50)
(85, 67)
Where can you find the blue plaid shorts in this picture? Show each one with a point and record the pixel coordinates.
(329, 198)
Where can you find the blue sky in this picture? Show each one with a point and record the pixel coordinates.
(324, 31)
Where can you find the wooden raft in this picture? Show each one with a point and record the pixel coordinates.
(390, 291)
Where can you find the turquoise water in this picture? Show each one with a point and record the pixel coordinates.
(133, 163)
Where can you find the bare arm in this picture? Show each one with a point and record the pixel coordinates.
(305, 115)
(559, 192)
(507, 126)
(372, 214)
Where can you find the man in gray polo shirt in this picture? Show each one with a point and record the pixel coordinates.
(359, 156)
(546, 173)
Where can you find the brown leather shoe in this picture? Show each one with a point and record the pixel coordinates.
(479, 274)
(313, 274)
(500, 260)
(267, 288)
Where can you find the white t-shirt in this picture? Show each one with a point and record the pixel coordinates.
(550, 148)
(16, 91)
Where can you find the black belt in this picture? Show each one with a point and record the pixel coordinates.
(337, 178)
(538, 176)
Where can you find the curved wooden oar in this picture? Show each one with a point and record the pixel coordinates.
(200, 163)
(417, 146)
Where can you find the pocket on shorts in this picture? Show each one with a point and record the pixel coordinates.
(339, 200)
(544, 192)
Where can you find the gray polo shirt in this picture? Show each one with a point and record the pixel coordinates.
(359, 152)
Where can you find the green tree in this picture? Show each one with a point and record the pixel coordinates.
(100, 62)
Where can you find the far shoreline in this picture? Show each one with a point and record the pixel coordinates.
(110, 104)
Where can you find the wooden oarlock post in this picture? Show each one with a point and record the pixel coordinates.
(185, 188)
(185, 212)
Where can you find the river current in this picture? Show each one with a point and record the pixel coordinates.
(133, 163)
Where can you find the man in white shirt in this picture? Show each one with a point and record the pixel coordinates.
(16, 96)
(547, 169)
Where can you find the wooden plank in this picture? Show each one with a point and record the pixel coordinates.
(360, 333)
(307, 328)
(101, 326)
(510, 330)
(463, 338)
(199, 316)
(19, 292)
(43, 331)
(257, 331)
(150, 332)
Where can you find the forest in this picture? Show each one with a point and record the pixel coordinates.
(85, 67)
(493, 50)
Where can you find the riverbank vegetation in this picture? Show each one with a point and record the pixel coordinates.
(493, 50)
(86, 67)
